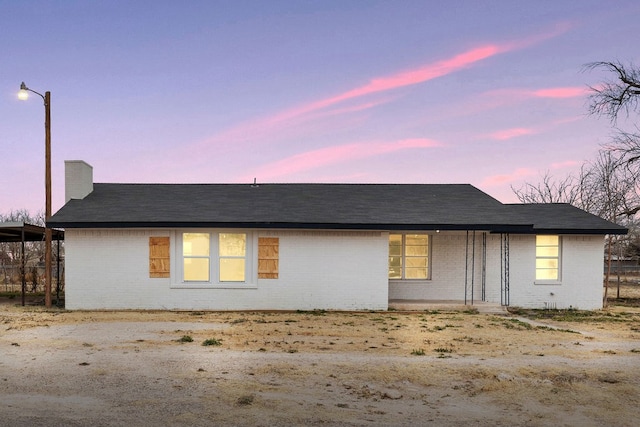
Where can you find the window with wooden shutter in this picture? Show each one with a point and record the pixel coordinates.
(159, 257)
(268, 254)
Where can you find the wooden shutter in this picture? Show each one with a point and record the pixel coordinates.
(268, 254)
(159, 257)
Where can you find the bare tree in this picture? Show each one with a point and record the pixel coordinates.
(614, 97)
(620, 94)
(550, 190)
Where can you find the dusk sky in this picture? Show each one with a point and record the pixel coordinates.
(491, 93)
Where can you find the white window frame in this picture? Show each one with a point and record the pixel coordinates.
(557, 280)
(404, 264)
(250, 275)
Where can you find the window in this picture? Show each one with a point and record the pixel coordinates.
(548, 258)
(195, 253)
(232, 250)
(409, 256)
(214, 257)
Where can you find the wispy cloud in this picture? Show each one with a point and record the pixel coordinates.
(276, 122)
(517, 94)
(336, 154)
(560, 92)
(349, 108)
(516, 175)
(505, 134)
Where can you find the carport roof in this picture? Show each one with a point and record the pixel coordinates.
(12, 232)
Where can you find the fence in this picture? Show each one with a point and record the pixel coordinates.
(11, 279)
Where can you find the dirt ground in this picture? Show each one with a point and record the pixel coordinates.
(60, 368)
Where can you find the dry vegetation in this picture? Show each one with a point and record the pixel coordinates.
(321, 368)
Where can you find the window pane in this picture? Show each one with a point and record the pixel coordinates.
(547, 274)
(416, 239)
(415, 273)
(232, 270)
(395, 251)
(232, 244)
(395, 239)
(547, 263)
(195, 244)
(395, 272)
(547, 251)
(416, 250)
(196, 269)
(547, 240)
(416, 262)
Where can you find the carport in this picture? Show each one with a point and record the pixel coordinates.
(21, 232)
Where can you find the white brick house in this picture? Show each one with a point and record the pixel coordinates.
(320, 246)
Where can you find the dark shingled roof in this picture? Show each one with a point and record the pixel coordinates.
(330, 206)
(551, 217)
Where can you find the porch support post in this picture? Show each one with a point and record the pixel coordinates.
(23, 266)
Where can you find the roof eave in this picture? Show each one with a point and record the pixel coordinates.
(494, 228)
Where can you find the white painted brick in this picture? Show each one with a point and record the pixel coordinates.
(108, 269)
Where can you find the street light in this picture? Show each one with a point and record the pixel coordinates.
(23, 95)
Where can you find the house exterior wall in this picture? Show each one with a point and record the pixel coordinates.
(580, 286)
(338, 270)
(109, 269)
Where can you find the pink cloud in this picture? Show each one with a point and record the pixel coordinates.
(561, 92)
(557, 30)
(401, 79)
(514, 94)
(495, 180)
(505, 134)
(270, 126)
(336, 154)
(404, 78)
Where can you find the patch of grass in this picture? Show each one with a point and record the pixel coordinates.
(245, 400)
(548, 328)
(517, 324)
(238, 320)
(185, 338)
(418, 352)
(572, 315)
(443, 350)
(317, 312)
(212, 341)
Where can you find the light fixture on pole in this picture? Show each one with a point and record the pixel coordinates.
(24, 94)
